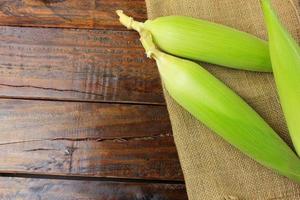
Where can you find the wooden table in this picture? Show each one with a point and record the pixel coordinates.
(82, 111)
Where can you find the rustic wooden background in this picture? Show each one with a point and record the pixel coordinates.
(82, 114)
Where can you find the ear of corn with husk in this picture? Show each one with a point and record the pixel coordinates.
(285, 56)
(223, 111)
(205, 41)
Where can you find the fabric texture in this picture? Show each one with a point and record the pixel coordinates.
(213, 169)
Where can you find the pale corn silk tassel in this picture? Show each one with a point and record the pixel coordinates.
(129, 22)
(146, 37)
(219, 108)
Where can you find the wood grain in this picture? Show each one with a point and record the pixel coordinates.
(81, 65)
(87, 139)
(92, 14)
(47, 189)
(68, 138)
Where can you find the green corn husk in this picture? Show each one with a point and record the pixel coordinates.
(205, 41)
(285, 56)
(223, 111)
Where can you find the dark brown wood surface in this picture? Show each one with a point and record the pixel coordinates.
(46, 189)
(82, 65)
(107, 140)
(92, 14)
(80, 99)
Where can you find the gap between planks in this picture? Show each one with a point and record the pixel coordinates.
(87, 178)
(81, 101)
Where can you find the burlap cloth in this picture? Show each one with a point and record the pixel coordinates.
(212, 168)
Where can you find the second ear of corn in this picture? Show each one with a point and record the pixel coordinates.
(285, 56)
(223, 111)
(205, 41)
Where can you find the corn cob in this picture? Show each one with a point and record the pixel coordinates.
(205, 41)
(285, 56)
(223, 111)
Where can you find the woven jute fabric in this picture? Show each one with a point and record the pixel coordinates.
(213, 169)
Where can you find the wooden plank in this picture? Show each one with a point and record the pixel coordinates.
(87, 139)
(34, 189)
(81, 65)
(92, 14)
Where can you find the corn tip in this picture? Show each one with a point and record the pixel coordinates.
(119, 12)
(124, 19)
(129, 22)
